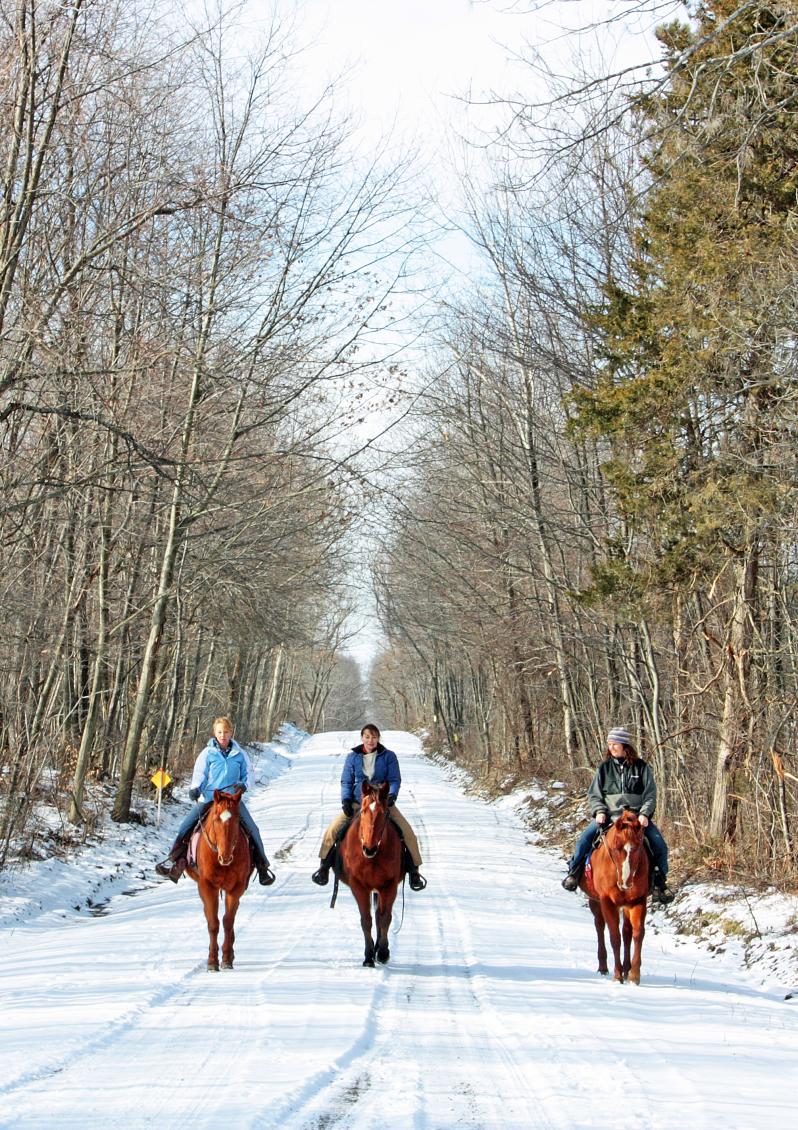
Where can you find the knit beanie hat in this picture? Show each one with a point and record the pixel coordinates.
(619, 735)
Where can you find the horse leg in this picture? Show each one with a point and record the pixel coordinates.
(231, 902)
(598, 922)
(210, 901)
(610, 913)
(627, 943)
(384, 916)
(637, 929)
(363, 896)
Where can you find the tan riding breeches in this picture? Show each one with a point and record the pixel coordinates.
(408, 835)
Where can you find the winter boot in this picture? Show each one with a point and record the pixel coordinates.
(660, 891)
(265, 874)
(571, 880)
(415, 878)
(321, 876)
(175, 863)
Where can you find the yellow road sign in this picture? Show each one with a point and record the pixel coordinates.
(160, 778)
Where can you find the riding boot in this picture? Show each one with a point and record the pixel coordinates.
(571, 880)
(321, 876)
(176, 861)
(415, 878)
(265, 874)
(659, 888)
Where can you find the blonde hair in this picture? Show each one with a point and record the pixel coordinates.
(222, 720)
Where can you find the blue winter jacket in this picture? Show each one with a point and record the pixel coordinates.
(219, 769)
(386, 768)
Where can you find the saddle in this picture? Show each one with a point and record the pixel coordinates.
(597, 843)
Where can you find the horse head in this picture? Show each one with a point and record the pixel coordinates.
(373, 817)
(624, 842)
(224, 821)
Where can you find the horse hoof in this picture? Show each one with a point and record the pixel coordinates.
(227, 965)
(383, 957)
(213, 967)
(369, 961)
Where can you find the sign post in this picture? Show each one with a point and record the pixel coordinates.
(160, 779)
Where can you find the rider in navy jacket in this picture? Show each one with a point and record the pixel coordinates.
(370, 761)
(386, 768)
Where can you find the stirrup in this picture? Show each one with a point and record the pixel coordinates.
(571, 881)
(265, 875)
(322, 876)
(417, 881)
(171, 868)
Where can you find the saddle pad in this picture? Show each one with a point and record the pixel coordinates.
(192, 847)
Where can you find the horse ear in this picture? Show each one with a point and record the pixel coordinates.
(383, 791)
(216, 794)
(366, 789)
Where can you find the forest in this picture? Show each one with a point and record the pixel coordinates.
(589, 515)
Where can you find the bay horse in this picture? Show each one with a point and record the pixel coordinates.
(370, 862)
(616, 883)
(223, 863)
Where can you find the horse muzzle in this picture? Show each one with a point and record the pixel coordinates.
(369, 852)
(224, 862)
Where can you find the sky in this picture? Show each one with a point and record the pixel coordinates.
(421, 77)
(423, 68)
(488, 1016)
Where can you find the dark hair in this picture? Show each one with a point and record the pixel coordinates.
(630, 754)
(370, 726)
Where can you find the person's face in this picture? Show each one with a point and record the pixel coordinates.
(617, 749)
(370, 741)
(223, 734)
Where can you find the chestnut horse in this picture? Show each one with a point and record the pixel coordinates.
(223, 863)
(617, 882)
(370, 858)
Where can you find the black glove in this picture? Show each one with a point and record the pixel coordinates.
(391, 801)
(194, 794)
(349, 807)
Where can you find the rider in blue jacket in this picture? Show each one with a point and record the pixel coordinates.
(224, 765)
(370, 761)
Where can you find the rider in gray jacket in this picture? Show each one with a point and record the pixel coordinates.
(622, 781)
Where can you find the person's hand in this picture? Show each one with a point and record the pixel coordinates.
(348, 806)
(601, 817)
(391, 801)
(642, 819)
(194, 794)
(242, 788)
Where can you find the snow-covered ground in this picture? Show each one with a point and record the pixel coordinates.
(489, 1014)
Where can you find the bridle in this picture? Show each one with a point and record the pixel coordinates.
(215, 847)
(371, 852)
(624, 883)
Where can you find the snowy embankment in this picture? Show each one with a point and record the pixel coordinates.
(489, 1015)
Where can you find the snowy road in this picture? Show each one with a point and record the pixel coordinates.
(489, 1015)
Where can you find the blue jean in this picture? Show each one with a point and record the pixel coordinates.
(199, 810)
(659, 849)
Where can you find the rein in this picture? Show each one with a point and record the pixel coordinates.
(619, 867)
(379, 841)
(215, 847)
